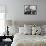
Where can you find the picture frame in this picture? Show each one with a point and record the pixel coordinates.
(30, 9)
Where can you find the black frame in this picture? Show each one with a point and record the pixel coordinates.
(29, 10)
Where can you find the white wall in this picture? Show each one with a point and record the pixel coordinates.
(15, 9)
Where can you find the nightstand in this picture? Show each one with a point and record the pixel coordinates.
(6, 40)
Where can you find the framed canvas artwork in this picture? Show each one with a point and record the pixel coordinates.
(30, 9)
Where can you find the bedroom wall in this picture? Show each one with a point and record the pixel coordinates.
(41, 10)
(15, 9)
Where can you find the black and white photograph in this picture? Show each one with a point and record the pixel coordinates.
(30, 9)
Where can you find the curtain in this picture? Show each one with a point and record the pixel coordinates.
(2, 19)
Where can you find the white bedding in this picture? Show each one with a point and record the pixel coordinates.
(29, 40)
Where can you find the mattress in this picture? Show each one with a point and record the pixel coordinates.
(28, 40)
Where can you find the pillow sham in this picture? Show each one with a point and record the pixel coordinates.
(24, 30)
(36, 30)
(28, 26)
(28, 31)
(44, 29)
(21, 30)
(13, 30)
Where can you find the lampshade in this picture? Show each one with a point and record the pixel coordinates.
(9, 22)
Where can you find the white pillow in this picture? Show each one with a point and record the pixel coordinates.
(28, 26)
(44, 27)
(42, 30)
(13, 30)
(23, 30)
(33, 30)
(36, 30)
(28, 31)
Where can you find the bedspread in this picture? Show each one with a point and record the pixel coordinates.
(29, 40)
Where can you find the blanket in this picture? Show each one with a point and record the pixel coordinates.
(29, 40)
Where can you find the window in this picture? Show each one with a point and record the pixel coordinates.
(2, 20)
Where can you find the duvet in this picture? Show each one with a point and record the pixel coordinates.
(29, 40)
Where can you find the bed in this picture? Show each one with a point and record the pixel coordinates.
(20, 39)
(29, 40)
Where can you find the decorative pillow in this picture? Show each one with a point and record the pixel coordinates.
(13, 30)
(33, 30)
(28, 26)
(23, 30)
(36, 30)
(28, 31)
(44, 29)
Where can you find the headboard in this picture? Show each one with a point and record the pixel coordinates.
(21, 23)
